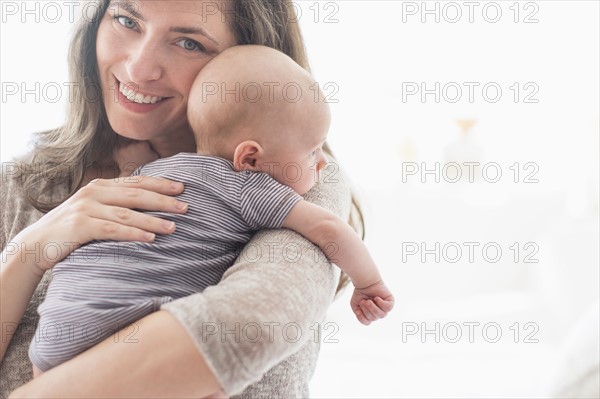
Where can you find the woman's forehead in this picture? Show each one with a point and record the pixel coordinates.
(205, 17)
(206, 9)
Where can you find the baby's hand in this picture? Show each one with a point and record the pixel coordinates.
(372, 303)
(133, 155)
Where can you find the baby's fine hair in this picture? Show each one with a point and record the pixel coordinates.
(249, 88)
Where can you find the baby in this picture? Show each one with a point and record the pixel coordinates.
(259, 148)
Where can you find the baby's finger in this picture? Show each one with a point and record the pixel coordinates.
(361, 317)
(384, 305)
(368, 314)
(375, 310)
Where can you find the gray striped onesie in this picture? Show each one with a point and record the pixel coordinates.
(105, 286)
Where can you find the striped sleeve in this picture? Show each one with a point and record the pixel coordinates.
(265, 203)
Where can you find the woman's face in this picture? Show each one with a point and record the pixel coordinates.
(149, 53)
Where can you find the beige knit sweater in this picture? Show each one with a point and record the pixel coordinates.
(256, 329)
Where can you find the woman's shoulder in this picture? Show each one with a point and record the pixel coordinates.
(332, 191)
(17, 212)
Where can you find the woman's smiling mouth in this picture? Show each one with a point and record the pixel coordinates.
(139, 98)
(138, 101)
(136, 97)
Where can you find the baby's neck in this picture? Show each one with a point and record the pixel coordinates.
(208, 153)
(200, 151)
(205, 151)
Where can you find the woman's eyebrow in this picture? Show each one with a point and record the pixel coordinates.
(193, 31)
(127, 6)
(178, 29)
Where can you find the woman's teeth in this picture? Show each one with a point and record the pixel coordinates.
(131, 95)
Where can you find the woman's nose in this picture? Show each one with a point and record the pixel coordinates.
(144, 63)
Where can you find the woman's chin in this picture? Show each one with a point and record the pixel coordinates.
(135, 134)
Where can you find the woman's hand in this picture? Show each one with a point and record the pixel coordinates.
(102, 210)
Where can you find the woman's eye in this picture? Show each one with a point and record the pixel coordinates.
(314, 153)
(126, 22)
(190, 45)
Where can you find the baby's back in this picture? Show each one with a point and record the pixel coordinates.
(208, 238)
(106, 285)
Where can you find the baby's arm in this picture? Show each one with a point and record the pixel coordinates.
(371, 299)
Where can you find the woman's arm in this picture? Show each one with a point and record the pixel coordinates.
(268, 304)
(264, 309)
(93, 213)
(18, 278)
(154, 359)
(18, 281)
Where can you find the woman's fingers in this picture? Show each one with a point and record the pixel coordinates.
(111, 208)
(107, 230)
(131, 197)
(156, 184)
(104, 210)
(129, 217)
(142, 199)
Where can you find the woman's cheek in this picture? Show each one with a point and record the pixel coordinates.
(102, 40)
(184, 81)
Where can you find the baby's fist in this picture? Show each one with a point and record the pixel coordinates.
(372, 303)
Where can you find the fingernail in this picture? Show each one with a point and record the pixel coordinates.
(169, 225)
(176, 186)
(181, 206)
(149, 236)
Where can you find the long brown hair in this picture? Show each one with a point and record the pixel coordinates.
(87, 139)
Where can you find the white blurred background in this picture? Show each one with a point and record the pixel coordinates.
(371, 53)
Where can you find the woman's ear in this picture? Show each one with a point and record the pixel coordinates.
(246, 156)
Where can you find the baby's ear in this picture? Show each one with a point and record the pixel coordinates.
(246, 155)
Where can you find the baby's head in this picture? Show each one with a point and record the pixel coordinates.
(256, 107)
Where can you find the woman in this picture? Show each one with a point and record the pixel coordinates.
(196, 345)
